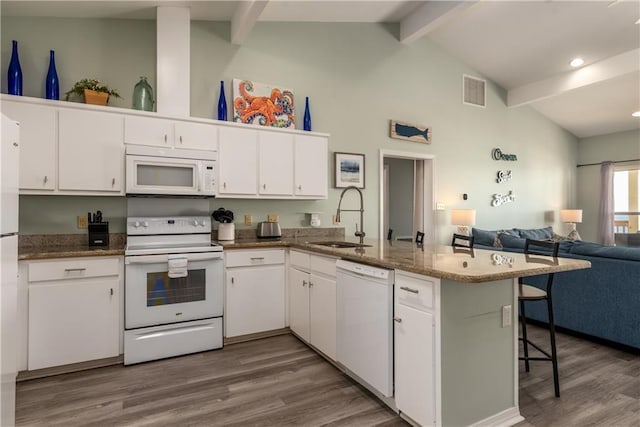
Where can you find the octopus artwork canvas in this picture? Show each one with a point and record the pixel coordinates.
(262, 104)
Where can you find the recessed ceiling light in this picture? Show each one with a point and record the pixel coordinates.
(577, 62)
(636, 114)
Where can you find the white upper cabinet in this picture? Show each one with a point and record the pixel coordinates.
(310, 166)
(91, 152)
(37, 144)
(170, 133)
(238, 161)
(276, 164)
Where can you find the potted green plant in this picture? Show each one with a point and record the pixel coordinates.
(93, 91)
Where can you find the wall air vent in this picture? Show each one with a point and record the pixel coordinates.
(473, 91)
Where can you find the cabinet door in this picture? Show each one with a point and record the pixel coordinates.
(196, 136)
(322, 314)
(276, 164)
(148, 131)
(310, 166)
(299, 303)
(255, 300)
(415, 364)
(237, 160)
(37, 144)
(73, 321)
(91, 151)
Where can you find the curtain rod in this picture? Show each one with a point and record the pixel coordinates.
(616, 161)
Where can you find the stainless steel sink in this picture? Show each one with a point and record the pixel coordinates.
(340, 244)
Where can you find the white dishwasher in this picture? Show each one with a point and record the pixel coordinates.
(365, 324)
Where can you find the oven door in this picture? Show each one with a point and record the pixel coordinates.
(163, 289)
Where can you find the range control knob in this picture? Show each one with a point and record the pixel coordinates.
(136, 224)
(145, 224)
(195, 222)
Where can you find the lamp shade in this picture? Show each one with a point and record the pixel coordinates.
(463, 217)
(571, 215)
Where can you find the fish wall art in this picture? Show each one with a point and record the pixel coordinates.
(409, 132)
(262, 104)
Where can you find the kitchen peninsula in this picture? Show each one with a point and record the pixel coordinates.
(459, 329)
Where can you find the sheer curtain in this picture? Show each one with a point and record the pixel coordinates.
(605, 219)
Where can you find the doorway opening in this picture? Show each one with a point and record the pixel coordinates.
(407, 196)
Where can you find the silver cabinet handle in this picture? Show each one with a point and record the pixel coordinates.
(111, 291)
(397, 319)
(15, 144)
(232, 281)
(180, 139)
(257, 258)
(413, 291)
(69, 270)
(165, 138)
(299, 187)
(113, 182)
(264, 186)
(224, 185)
(310, 284)
(46, 178)
(304, 283)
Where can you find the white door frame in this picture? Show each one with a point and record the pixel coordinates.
(429, 189)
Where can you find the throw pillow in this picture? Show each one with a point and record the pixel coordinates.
(573, 235)
(483, 237)
(512, 242)
(558, 238)
(536, 233)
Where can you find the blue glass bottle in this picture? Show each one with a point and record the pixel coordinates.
(307, 115)
(52, 86)
(222, 103)
(14, 73)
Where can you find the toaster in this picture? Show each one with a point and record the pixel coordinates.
(269, 230)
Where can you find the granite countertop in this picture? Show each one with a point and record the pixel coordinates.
(32, 247)
(444, 262)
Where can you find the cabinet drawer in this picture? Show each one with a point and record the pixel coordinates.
(299, 259)
(323, 264)
(415, 292)
(71, 269)
(249, 258)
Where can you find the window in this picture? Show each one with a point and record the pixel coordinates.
(626, 199)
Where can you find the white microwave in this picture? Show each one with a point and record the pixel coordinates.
(170, 171)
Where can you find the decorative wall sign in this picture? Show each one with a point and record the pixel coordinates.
(498, 259)
(409, 132)
(349, 170)
(262, 104)
(497, 154)
(501, 199)
(503, 176)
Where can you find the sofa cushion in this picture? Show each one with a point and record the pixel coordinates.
(535, 233)
(511, 242)
(489, 237)
(595, 249)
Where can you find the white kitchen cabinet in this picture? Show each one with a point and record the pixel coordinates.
(275, 163)
(415, 347)
(161, 132)
(91, 151)
(237, 161)
(74, 310)
(312, 300)
(37, 144)
(255, 286)
(310, 160)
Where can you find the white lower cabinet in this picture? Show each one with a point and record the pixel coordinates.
(74, 310)
(312, 300)
(416, 360)
(255, 284)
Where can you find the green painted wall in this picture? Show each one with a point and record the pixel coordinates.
(358, 77)
(615, 146)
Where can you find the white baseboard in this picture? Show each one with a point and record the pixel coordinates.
(508, 417)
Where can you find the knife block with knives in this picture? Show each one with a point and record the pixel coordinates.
(98, 230)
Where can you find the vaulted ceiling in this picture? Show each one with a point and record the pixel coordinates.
(523, 46)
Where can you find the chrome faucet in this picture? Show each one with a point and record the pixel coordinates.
(360, 233)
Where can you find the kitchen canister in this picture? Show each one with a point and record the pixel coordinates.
(52, 85)
(14, 73)
(143, 95)
(226, 231)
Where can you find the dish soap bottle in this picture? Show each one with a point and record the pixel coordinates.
(143, 95)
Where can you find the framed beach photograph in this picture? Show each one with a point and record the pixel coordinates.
(349, 170)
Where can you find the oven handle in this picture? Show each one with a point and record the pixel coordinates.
(154, 259)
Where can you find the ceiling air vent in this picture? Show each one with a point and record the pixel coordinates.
(473, 91)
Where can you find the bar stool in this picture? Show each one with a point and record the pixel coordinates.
(532, 293)
(462, 241)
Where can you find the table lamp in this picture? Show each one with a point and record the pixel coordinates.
(571, 217)
(463, 218)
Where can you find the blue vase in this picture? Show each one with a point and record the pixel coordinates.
(14, 74)
(52, 86)
(222, 103)
(307, 115)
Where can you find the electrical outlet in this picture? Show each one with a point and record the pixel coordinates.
(272, 218)
(506, 316)
(83, 222)
(334, 219)
(248, 220)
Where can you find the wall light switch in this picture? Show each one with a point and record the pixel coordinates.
(83, 221)
(506, 316)
(272, 218)
(439, 206)
(248, 220)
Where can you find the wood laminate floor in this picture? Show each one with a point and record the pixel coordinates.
(280, 382)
